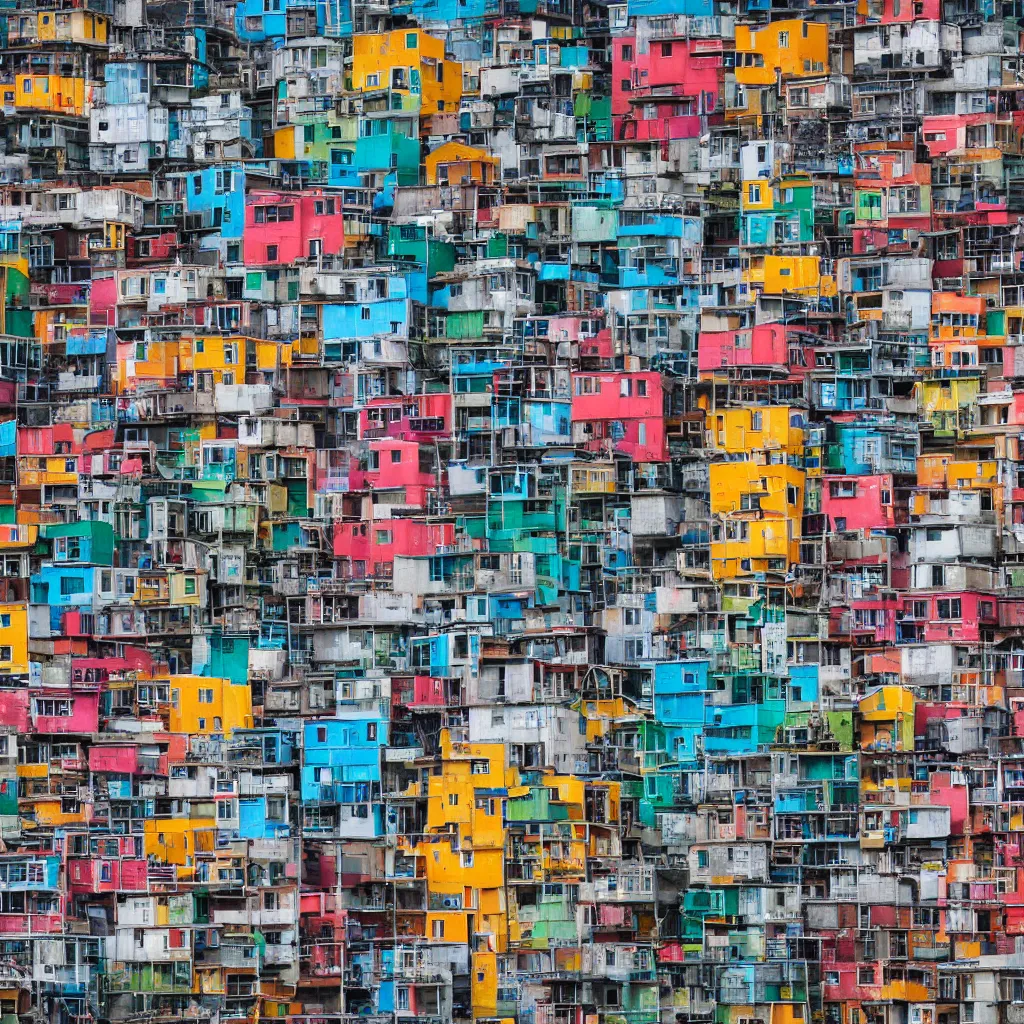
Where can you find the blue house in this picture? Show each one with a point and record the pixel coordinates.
(341, 768)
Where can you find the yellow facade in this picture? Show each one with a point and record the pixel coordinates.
(83, 27)
(220, 356)
(53, 94)
(746, 429)
(467, 878)
(13, 639)
(176, 840)
(794, 48)
(456, 163)
(147, 362)
(887, 719)
(757, 510)
(208, 706)
(787, 275)
(40, 470)
(409, 62)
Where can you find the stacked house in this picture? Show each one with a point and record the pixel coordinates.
(511, 511)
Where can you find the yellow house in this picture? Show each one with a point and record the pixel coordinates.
(177, 840)
(788, 275)
(147, 363)
(748, 429)
(757, 511)
(13, 639)
(948, 403)
(219, 360)
(209, 706)
(52, 93)
(795, 48)
(944, 472)
(50, 813)
(455, 163)
(887, 719)
(187, 588)
(82, 27)
(466, 879)
(408, 62)
(39, 470)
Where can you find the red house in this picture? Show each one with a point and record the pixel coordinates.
(282, 227)
(662, 90)
(395, 465)
(623, 412)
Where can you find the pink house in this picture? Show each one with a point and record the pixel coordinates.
(376, 542)
(950, 616)
(14, 709)
(416, 418)
(395, 465)
(57, 440)
(114, 867)
(122, 759)
(859, 502)
(65, 711)
(763, 345)
(662, 91)
(282, 227)
(419, 691)
(898, 12)
(623, 412)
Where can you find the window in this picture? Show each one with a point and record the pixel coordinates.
(371, 731)
(948, 608)
(666, 49)
(49, 708)
(271, 253)
(205, 696)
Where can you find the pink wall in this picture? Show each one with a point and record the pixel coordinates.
(42, 440)
(291, 237)
(84, 714)
(394, 471)
(687, 79)
(967, 627)
(412, 410)
(865, 510)
(640, 415)
(102, 301)
(408, 537)
(123, 760)
(932, 12)
(85, 875)
(942, 793)
(14, 709)
(763, 345)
